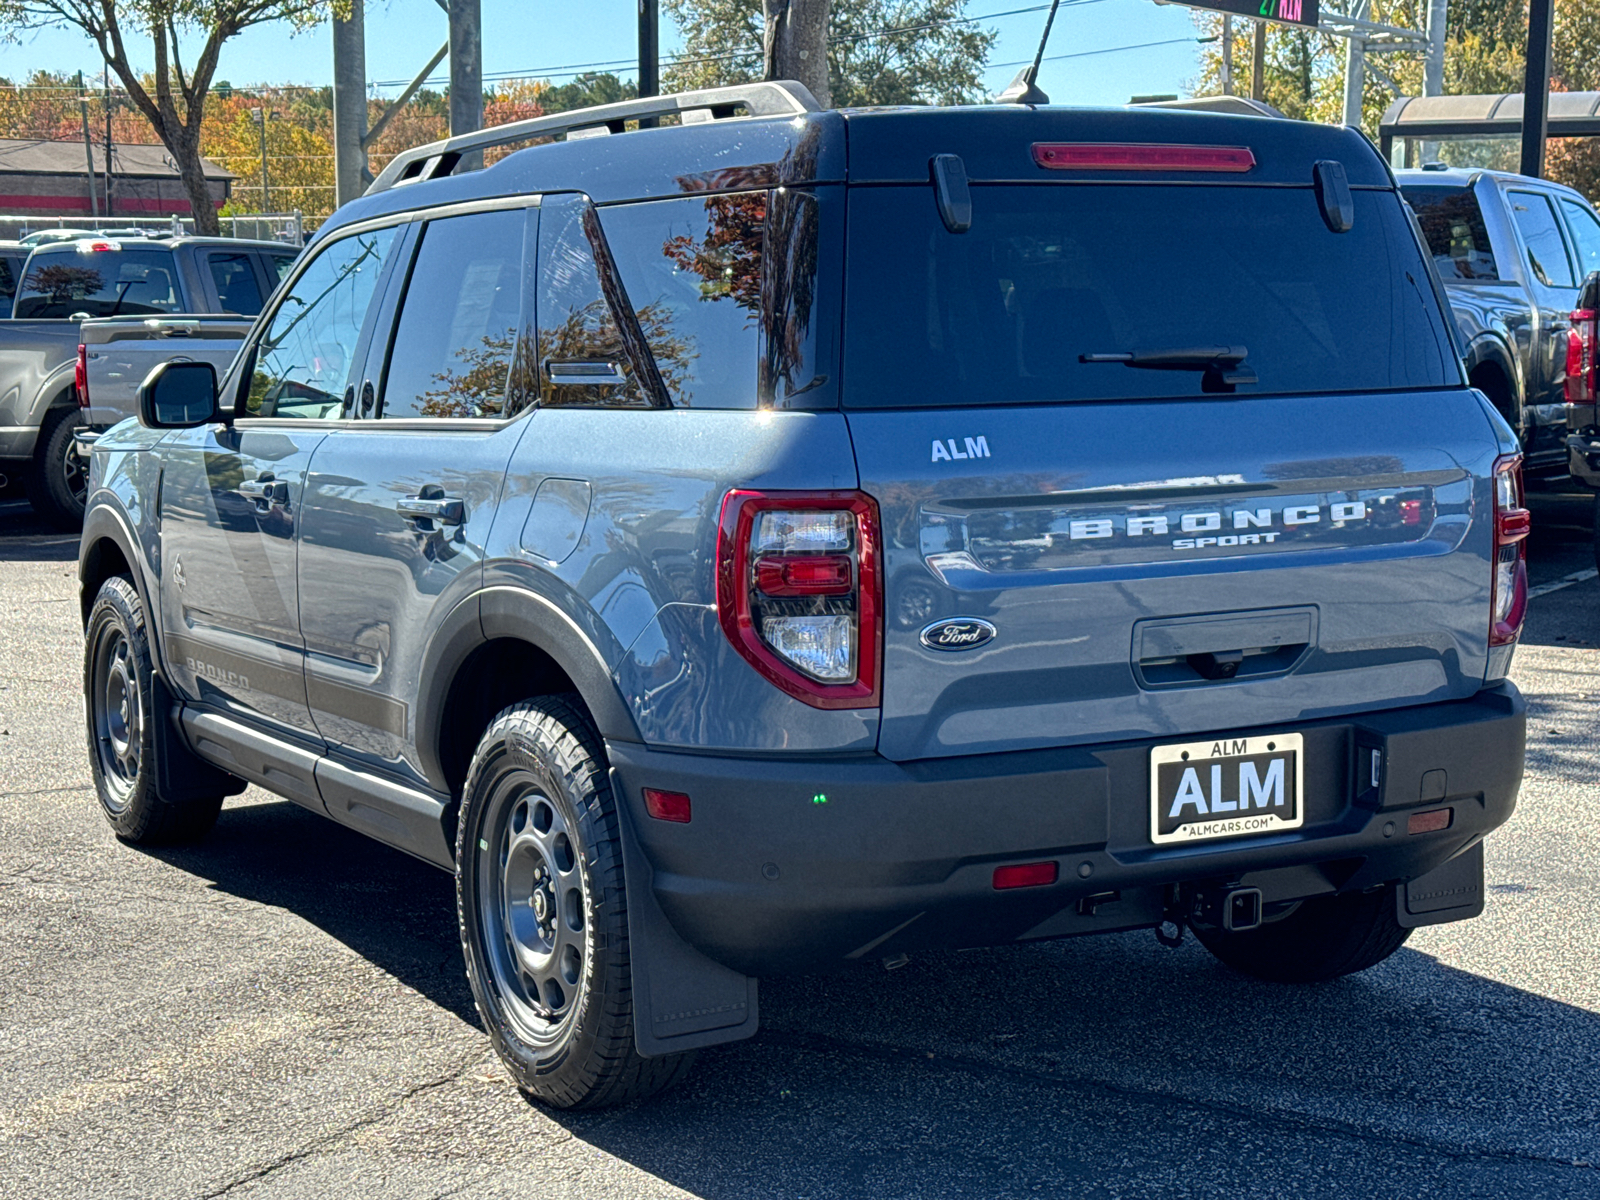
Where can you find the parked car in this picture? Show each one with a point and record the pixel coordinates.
(787, 539)
(64, 283)
(1511, 252)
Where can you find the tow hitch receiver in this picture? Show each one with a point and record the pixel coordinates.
(1234, 908)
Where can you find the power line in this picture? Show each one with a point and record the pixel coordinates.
(1092, 53)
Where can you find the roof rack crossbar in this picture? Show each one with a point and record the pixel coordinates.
(766, 99)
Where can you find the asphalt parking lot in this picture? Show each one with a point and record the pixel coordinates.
(281, 1011)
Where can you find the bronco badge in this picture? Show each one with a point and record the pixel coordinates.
(957, 633)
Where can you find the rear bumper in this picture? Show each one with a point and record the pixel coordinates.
(797, 864)
(1583, 458)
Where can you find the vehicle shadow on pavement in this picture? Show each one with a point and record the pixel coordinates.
(1110, 1066)
(395, 911)
(1100, 1066)
(25, 538)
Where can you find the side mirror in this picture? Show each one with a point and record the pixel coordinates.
(179, 395)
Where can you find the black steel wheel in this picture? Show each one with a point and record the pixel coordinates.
(117, 692)
(542, 905)
(59, 482)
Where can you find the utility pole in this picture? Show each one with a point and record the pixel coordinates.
(262, 115)
(794, 44)
(466, 74)
(88, 149)
(108, 140)
(1536, 88)
(649, 48)
(1258, 64)
(350, 105)
(1227, 56)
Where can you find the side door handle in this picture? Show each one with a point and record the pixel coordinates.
(432, 505)
(265, 491)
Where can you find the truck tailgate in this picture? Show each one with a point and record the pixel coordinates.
(123, 350)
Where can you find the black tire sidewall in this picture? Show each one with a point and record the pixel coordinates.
(1322, 939)
(515, 743)
(118, 606)
(47, 486)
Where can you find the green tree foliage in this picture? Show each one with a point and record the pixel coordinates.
(586, 90)
(879, 51)
(172, 98)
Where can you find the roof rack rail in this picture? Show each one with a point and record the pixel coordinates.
(777, 98)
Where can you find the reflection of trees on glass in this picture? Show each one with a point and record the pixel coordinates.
(478, 388)
(589, 333)
(61, 282)
(728, 257)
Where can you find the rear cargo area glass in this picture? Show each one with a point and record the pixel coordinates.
(1002, 313)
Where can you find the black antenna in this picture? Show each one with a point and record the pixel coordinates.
(1023, 89)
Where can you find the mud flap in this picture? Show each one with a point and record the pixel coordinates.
(1453, 892)
(681, 999)
(180, 774)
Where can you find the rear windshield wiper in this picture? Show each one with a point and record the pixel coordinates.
(1223, 366)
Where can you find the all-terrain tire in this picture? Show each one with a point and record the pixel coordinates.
(542, 906)
(1596, 531)
(1321, 939)
(58, 480)
(121, 724)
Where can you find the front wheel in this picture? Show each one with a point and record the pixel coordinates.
(118, 694)
(542, 906)
(1320, 939)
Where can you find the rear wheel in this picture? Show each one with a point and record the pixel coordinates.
(542, 905)
(59, 481)
(121, 725)
(1320, 939)
(1595, 533)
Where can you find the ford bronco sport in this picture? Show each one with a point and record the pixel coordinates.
(779, 539)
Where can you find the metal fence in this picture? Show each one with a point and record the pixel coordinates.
(288, 228)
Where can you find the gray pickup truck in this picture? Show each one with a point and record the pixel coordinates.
(1511, 251)
(64, 284)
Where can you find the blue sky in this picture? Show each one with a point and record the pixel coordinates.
(534, 37)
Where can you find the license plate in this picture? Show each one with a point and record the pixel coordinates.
(1225, 788)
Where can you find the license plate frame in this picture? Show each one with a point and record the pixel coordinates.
(1275, 797)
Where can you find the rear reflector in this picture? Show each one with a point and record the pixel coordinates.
(80, 376)
(667, 806)
(1429, 822)
(1023, 875)
(1141, 156)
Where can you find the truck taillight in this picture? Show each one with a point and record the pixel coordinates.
(80, 376)
(799, 592)
(1509, 588)
(1581, 366)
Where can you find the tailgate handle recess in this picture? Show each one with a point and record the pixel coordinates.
(1198, 650)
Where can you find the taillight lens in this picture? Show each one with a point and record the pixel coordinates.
(1509, 591)
(799, 592)
(1581, 338)
(80, 376)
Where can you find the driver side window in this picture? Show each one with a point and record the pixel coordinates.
(305, 357)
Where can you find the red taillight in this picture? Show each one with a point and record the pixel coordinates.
(1581, 366)
(667, 806)
(1508, 592)
(1430, 822)
(1022, 875)
(799, 592)
(1141, 156)
(80, 376)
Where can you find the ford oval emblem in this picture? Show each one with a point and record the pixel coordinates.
(957, 633)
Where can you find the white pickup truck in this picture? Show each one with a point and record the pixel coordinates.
(66, 290)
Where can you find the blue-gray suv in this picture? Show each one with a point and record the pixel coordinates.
(738, 538)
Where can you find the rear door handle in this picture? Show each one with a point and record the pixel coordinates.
(447, 510)
(586, 372)
(265, 491)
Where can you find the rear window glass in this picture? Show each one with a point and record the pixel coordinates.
(1452, 223)
(1002, 313)
(102, 283)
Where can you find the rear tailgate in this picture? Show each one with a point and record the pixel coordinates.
(122, 351)
(1190, 545)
